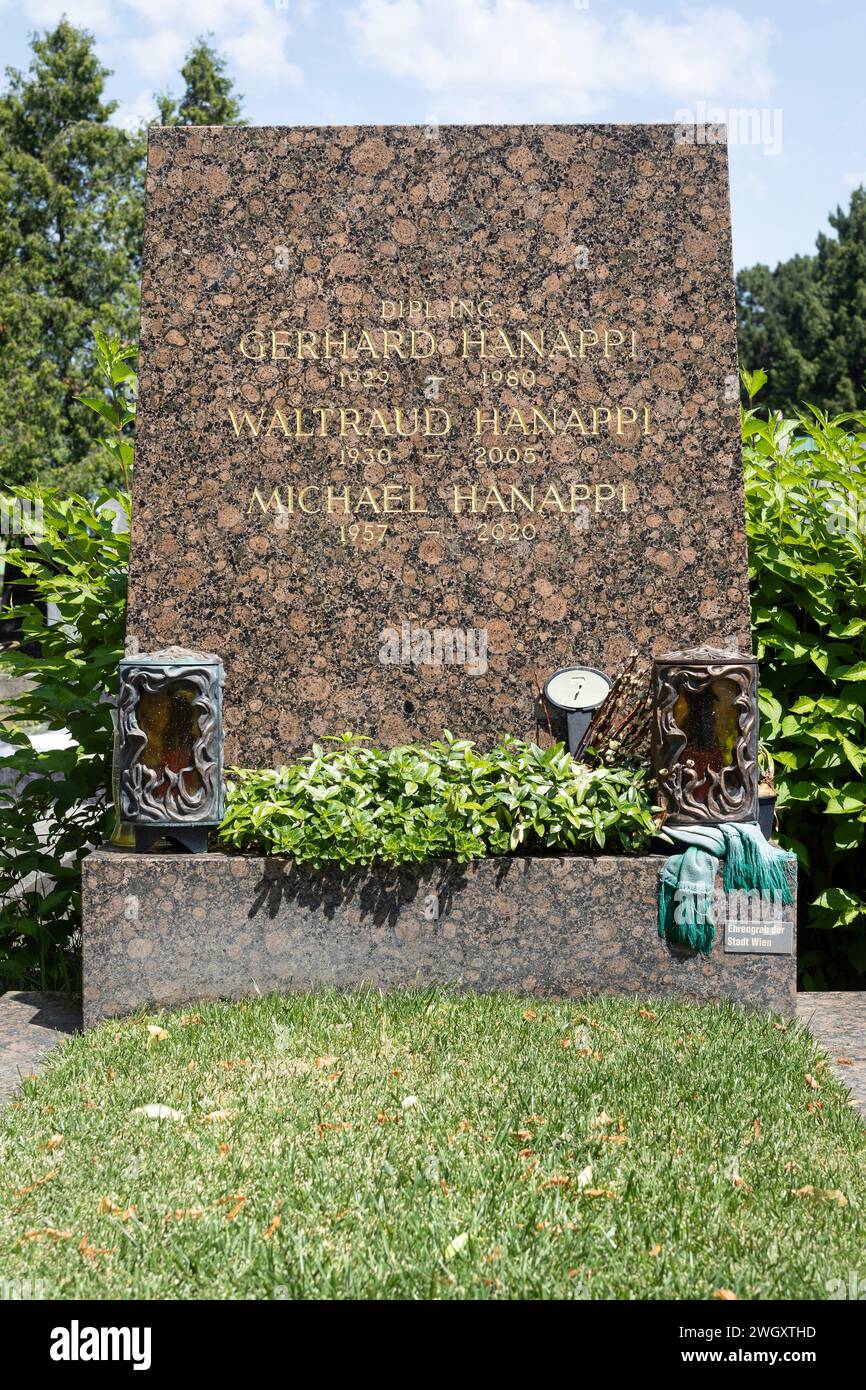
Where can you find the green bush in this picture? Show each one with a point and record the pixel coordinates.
(806, 520)
(355, 804)
(59, 804)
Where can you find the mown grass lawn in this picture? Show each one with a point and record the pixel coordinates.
(430, 1145)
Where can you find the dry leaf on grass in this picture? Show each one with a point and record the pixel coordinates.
(726, 1296)
(155, 1034)
(456, 1245)
(157, 1112)
(810, 1081)
(824, 1194)
(184, 1214)
(46, 1177)
(234, 1201)
(105, 1207)
(91, 1252)
(45, 1233)
(54, 1142)
(530, 1015)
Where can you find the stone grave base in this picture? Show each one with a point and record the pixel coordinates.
(162, 929)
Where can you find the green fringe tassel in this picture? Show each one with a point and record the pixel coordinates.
(752, 864)
(686, 884)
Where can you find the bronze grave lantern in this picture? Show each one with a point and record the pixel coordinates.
(705, 736)
(170, 747)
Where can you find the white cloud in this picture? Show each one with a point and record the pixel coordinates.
(96, 15)
(513, 59)
(159, 33)
(132, 114)
(854, 180)
(158, 56)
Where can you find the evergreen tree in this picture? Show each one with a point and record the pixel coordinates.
(209, 98)
(805, 321)
(70, 231)
(842, 273)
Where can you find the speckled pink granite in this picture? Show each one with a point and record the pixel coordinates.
(163, 929)
(617, 229)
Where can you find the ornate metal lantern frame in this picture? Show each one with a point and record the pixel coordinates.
(707, 774)
(178, 797)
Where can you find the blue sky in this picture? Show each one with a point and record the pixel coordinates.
(795, 64)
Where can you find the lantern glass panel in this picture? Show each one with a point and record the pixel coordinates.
(710, 721)
(172, 725)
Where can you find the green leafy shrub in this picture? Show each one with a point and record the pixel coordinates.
(354, 804)
(806, 521)
(59, 804)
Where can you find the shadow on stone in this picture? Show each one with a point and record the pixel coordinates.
(381, 892)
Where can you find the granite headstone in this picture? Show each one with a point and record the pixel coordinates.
(429, 413)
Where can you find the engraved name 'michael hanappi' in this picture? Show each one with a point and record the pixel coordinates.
(434, 422)
(473, 498)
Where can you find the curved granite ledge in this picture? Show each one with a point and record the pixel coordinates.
(163, 929)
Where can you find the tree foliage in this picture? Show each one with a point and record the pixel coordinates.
(805, 321)
(209, 97)
(71, 194)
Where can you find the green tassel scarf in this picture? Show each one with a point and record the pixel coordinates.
(687, 881)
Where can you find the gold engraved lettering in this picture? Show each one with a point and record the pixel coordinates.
(367, 499)
(273, 501)
(413, 503)
(343, 498)
(246, 339)
(462, 495)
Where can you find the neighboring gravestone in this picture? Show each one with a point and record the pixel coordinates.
(427, 414)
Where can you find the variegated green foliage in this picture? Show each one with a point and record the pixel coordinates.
(354, 804)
